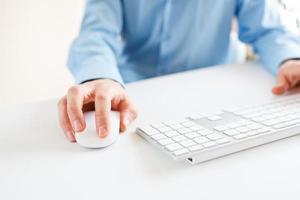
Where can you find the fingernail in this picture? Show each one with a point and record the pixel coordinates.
(77, 125)
(69, 136)
(102, 132)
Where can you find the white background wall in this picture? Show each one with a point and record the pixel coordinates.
(35, 36)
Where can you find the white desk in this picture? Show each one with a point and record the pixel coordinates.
(36, 161)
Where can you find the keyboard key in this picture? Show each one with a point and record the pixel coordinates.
(259, 119)
(263, 130)
(149, 130)
(183, 130)
(179, 138)
(165, 141)
(252, 133)
(244, 122)
(187, 143)
(254, 126)
(268, 116)
(231, 132)
(192, 135)
(243, 129)
(201, 140)
(233, 125)
(221, 128)
(164, 129)
(240, 136)
(196, 147)
(222, 141)
(271, 122)
(209, 144)
(173, 147)
(176, 126)
(293, 122)
(214, 136)
(180, 152)
(171, 133)
(158, 136)
(283, 125)
(205, 132)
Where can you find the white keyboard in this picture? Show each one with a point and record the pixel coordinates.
(199, 138)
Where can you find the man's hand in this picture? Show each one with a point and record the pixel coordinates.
(288, 77)
(101, 95)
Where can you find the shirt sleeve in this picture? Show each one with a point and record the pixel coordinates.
(94, 53)
(260, 25)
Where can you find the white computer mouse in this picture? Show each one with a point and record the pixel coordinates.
(89, 137)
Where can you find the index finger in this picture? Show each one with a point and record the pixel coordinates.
(75, 100)
(282, 84)
(64, 120)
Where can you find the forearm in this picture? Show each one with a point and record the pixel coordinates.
(94, 53)
(276, 47)
(260, 25)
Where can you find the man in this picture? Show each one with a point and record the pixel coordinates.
(127, 40)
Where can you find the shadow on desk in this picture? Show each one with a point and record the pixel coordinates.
(33, 131)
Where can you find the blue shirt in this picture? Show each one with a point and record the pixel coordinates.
(129, 40)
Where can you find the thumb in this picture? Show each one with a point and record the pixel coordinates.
(282, 84)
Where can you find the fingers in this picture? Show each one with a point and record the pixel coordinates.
(128, 114)
(75, 100)
(64, 119)
(288, 77)
(101, 95)
(102, 113)
(282, 84)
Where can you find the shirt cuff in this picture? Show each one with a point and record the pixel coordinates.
(275, 59)
(92, 72)
(289, 60)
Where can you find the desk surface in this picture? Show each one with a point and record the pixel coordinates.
(36, 161)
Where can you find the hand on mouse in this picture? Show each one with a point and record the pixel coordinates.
(288, 77)
(102, 95)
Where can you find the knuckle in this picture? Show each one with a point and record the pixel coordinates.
(74, 90)
(283, 70)
(294, 78)
(126, 97)
(61, 102)
(102, 121)
(101, 96)
(126, 100)
(101, 115)
(73, 110)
